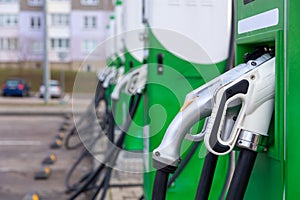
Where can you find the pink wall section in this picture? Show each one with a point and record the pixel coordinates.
(79, 34)
(27, 36)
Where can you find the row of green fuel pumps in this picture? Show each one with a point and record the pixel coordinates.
(217, 116)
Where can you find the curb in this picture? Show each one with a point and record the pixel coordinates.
(20, 113)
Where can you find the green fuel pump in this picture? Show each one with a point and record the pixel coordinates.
(133, 29)
(188, 44)
(274, 23)
(274, 174)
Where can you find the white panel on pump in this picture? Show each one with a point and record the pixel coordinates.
(106, 43)
(110, 42)
(194, 30)
(133, 28)
(119, 45)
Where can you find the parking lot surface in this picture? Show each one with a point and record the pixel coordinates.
(24, 143)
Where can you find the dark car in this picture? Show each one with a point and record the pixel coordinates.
(15, 87)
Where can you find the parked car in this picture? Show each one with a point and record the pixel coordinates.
(54, 87)
(16, 87)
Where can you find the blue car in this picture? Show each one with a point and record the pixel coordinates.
(16, 87)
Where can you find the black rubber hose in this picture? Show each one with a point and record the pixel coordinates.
(160, 185)
(69, 186)
(111, 127)
(98, 188)
(132, 110)
(93, 175)
(99, 93)
(74, 131)
(112, 155)
(89, 181)
(85, 153)
(241, 174)
(207, 176)
(106, 184)
(183, 164)
(229, 175)
(210, 162)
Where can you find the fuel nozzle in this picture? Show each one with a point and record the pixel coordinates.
(198, 105)
(103, 73)
(131, 82)
(108, 79)
(254, 91)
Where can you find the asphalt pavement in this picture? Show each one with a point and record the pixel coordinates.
(24, 143)
(36, 106)
(27, 128)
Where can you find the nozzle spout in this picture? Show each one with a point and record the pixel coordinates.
(168, 152)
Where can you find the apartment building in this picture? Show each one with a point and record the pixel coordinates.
(59, 33)
(31, 35)
(9, 32)
(75, 28)
(88, 31)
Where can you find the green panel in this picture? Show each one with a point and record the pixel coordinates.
(165, 95)
(130, 60)
(116, 62)
(267, 178)
(257, 7)
(110, 62)
(134, 137)
(292, 100)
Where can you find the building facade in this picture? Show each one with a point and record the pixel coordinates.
(88, 31)
(74, 28)
(9, 32)
(31, 36)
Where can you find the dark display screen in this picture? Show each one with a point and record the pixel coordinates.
(247, 1)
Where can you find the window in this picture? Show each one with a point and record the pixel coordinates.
(60, 43)
(89, 2)
(37, 47)
(60, 19)
(8, 1)
(35, 2)
(90, 22)
(35, 22)
(89, 45)
(8, 43)
(8, 20)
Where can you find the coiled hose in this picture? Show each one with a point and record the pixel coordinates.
(109, 159)
(86, 117)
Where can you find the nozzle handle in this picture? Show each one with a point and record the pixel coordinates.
(254, 91)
